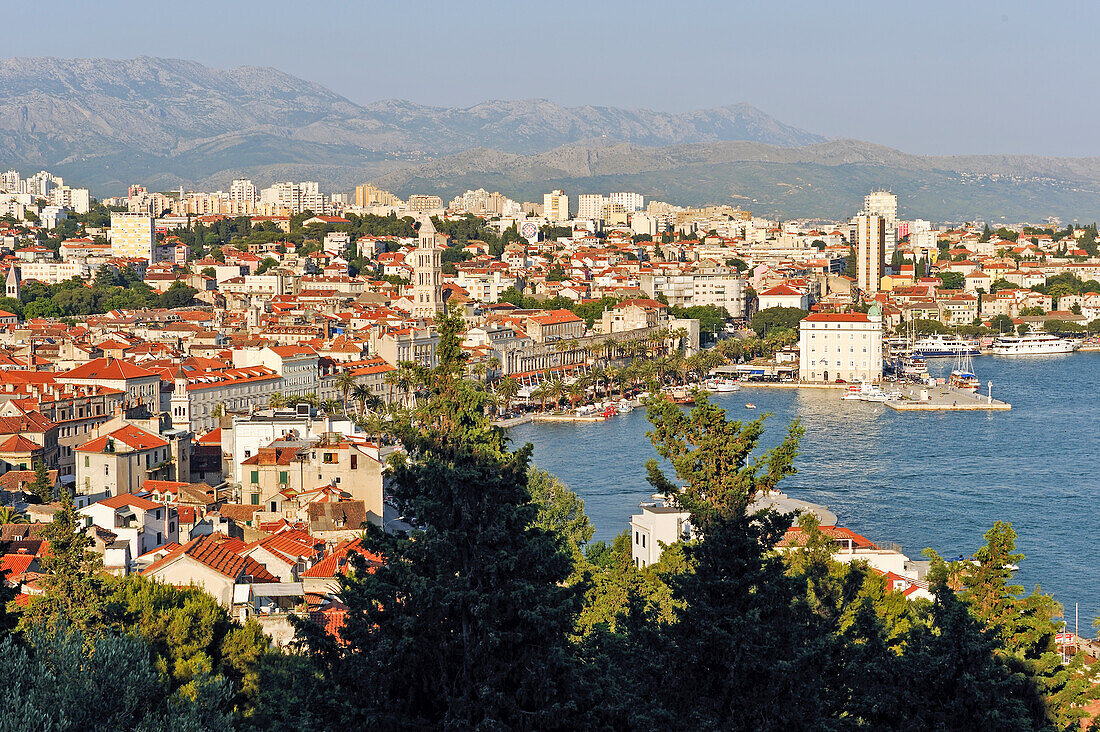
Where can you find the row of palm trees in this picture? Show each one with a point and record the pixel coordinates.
(611, 380)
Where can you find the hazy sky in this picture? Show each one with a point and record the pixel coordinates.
(925, 77)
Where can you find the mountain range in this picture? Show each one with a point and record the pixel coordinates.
(107, 123)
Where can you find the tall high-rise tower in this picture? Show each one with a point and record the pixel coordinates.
(428, 271)
(870, 252)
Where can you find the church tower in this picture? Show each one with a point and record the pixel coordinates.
(180, 404)
(428, 273)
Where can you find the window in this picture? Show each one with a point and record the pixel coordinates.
(354, 462)
(255, 499)
(158, 539)
(284, 476)
(255, 476)
(330, 458)
(87, 461)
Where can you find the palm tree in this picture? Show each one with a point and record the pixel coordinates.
(345, 382)
(479, 370)
(331, 406)
(494, 367)
(373, 424)
(9, 515)
(541, 392)
(557, 389)
(361, 393)
(507, 389)
(276, 400)
(576, 392)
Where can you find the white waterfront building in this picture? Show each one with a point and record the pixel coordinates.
(844, 346)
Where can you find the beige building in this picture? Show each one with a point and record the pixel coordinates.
(844, 346)
(870, 252)
(555, 207)
(132, 235)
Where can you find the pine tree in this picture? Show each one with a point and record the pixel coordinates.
(467, 622)
(75, 589)
(736, 657)
(41, 486)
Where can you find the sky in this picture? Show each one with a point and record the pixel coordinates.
(927, 77)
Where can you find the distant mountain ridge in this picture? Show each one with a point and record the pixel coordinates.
(107, 123)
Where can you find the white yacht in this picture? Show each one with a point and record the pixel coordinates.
(938, 344)
(1031, 344)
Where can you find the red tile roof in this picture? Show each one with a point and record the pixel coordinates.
(108, 369)
(133, 437)
(218, 555)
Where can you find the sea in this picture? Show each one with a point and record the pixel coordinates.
(916, 479)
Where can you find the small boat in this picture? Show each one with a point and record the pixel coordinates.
(750, 405)
(624, 407)
(683, 399)
(866, 392)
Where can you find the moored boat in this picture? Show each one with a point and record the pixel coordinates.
(1032, 344)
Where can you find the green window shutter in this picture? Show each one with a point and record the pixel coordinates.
(255, 476)
(255, 499)
(283, 476)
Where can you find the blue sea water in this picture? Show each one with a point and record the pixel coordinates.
(922, 479)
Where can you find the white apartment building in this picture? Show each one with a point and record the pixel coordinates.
(243, 194)
(590, 206)
(687, 290)
(74, 199)
(141, 524)
(656, 526)
(844, 346)
(626, 201)
(422, 203)
(132, 235)
(555, 207)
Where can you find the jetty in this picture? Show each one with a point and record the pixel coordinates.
(922, 398)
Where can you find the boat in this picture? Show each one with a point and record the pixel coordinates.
(913, 367)
(750, 405)
(1032, 344)
(721, 386)
(609, 411)
(867, 392)
(939, 344)
(963, 377)
(624, 406)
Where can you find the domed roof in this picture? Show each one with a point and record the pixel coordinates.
(874, 311)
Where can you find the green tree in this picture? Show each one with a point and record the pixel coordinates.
(75, 589)
(466, 623)
(560, 511)
(734, 655)
(41, 486)
(952, 280)
(66, 680)
(777, 317)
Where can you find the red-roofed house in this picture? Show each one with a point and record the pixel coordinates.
(138, 523)
(120, 461)
(141, 384)
(210, 563)
(784, 296)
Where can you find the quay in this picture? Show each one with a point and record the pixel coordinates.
(918, 398)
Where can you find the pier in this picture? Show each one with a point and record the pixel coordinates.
(919, 398)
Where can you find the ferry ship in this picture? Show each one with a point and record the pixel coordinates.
(939, 344)
(1032, 344)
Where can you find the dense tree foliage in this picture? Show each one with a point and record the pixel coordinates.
(778, 317)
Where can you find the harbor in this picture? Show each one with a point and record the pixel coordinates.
(931, 478)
